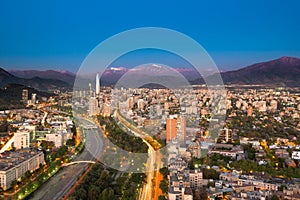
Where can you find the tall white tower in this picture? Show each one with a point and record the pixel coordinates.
(91, 91)
(97, 85)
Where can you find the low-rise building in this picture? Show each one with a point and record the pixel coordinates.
(176, 193)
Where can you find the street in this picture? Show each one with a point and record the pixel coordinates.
(153, 163)
(60, 183)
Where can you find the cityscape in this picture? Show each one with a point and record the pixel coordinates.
(150, 101)
(53, 143)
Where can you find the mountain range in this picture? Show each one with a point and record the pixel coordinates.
(42, 84)
(284, 71)
(61, 75)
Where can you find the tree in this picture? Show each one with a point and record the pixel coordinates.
(210, 174)
(164, 171)
(200, 194)
(107, 194)
(47, 145)
(282, 187)
(164, 186)
(161, 197)
(70, 142)
(27, 175)
(93, 192)
(14, 184)
(81, 194)
(274, 197)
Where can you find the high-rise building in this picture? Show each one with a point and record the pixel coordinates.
(249, 111)
(33, 98)
(21, 139)
(93, 106)
(106, 109)
(140, 103)
(195, 178)
(176, 127)
(225, 135)
(181, 130)
(171, 129)
(273, 105)
(97, 85)
(130, 102)
(91, 91)
(195, 149)
(25, 95)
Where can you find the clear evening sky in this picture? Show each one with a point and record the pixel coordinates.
(59, 34)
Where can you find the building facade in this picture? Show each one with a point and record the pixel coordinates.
(22, 139)
(13, 165)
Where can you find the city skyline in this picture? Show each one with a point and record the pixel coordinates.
(150, 100)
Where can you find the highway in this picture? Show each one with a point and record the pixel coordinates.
(149, 192)
(61, 182)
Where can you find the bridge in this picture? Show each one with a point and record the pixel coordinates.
(77, 162)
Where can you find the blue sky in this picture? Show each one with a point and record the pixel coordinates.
(60, 34)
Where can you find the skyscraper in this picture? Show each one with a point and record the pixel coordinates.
(90, 88)
(93, 106)
(181, 130)
(171, 129)
(33, 98)
(97, 85)
(25, 95)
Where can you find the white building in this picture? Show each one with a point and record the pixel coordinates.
(59, 137)
(296, 155)
(56, 138)
(176, 193)
(225, 135)
(195, 178)
(33, 98)
(93, 106)
(195, 149)
(21, 139)
(14, 164)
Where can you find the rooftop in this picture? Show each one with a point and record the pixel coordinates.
(9, 159)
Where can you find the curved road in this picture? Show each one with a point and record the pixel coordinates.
(149, 192)
(58, 185)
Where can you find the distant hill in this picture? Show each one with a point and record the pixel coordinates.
(61, 75)
(113, 74)
(11, 94)
(36, 82)
(284, 71)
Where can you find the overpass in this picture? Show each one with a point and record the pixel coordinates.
(77, 162)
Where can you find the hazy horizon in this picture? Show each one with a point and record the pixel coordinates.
(59, 35)
(136, 63)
